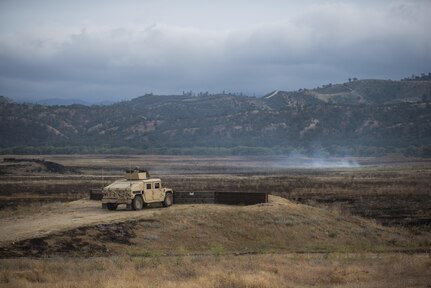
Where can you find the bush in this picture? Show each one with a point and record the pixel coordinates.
(217, 250)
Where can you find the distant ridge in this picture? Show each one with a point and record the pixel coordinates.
(4, 99)
(361, 117)
(368, 92)
(67, 102)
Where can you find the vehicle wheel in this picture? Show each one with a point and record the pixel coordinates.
(169, 199)
(112, 206)
(137, 203)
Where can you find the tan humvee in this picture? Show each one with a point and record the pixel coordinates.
(136, 191)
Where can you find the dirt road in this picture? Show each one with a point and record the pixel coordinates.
(63, 217)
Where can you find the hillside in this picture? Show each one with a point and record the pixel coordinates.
(83, 228)
(266, 245)
(357, 117)
(359, 92)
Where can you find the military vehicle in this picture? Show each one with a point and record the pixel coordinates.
(136, 190)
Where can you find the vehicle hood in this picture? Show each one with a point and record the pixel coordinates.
(125, 185)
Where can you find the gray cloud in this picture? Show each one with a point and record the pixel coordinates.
(116, 59)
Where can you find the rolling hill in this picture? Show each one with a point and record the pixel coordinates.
(358, 117)
(365, 92)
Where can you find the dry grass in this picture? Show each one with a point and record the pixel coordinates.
(28, 209)
(392, 190)
(194, 245)
(260, 271)
(278, 227)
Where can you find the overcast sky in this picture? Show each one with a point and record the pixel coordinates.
(112, 50)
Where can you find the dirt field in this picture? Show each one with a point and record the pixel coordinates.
(391, 190)
(363, 226)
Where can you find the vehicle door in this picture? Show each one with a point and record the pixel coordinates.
(148, 191)
(158, 191)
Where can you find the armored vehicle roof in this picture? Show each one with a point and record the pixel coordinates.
(134, 185)
(136, 174)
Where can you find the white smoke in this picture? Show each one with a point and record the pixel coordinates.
(316, 162)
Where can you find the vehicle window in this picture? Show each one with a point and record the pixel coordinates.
(157, 185)
(148, 185)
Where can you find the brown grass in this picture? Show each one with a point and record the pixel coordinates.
(29, 208)
(194, 245)
(260, 271)
(278, 226)
(395, 191)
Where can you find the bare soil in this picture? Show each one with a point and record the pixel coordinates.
(63, 216)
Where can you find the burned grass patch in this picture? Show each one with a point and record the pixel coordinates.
(84, 241)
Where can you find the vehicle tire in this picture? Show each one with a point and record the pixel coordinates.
(169, 199)
(112, 206)
(137, 203)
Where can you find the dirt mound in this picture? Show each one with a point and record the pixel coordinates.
(279, 200)
(83, 228)
(32, 166)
